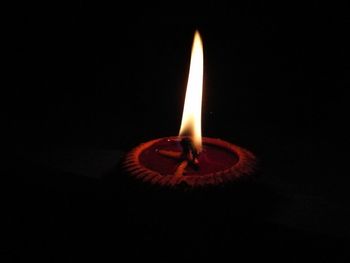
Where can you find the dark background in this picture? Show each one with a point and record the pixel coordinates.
(92, 80)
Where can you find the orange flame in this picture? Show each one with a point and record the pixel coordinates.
(191, 116)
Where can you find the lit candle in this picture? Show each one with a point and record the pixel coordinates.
(190, 158)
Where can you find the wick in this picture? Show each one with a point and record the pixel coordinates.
(188, 156)
(181, 168)
(189, 152)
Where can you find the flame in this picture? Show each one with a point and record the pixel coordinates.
(191, 116)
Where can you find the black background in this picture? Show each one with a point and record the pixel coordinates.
(100, 78)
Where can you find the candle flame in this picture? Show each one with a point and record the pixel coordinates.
(191, 116)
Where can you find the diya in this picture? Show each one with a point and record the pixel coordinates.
(189, 159)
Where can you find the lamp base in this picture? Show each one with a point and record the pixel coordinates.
(219, 162)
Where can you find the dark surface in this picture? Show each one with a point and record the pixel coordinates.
(93, 80)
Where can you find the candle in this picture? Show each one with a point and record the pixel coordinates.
(190, 159)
